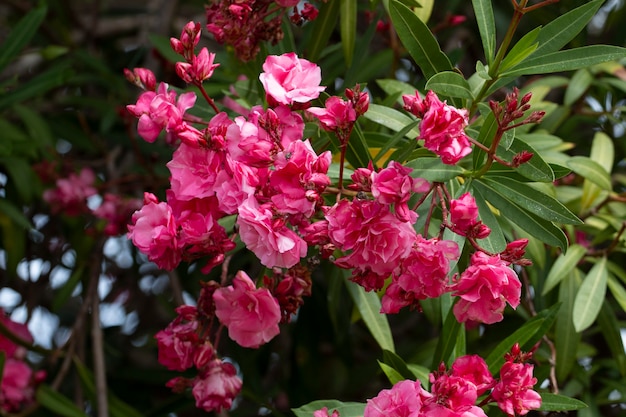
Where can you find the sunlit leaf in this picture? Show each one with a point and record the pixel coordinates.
(521, 50)
(483, 11)
(563, 266)
(391, 118)
(590, 170)
(590, 296)
(432, 169)
(346, 409)
(450, 84)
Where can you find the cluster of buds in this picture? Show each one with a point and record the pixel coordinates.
(513, 109)
(198, 67)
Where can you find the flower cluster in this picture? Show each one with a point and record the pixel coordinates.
(244, 24)
(455, 392)
(259, 167)
(17, 388)
(70, 197)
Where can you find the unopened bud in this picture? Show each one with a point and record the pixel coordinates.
(521, 158)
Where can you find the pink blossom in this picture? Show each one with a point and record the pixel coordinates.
(336, 115)
(251, 315)
(484, 288)
(215, 389)
(404, 399)
(514, 391)
(376, 239)
(71, 193)
(474, 369)
(194, 171)
(141, 77)
(323, 412)
(154, 232)
(177, 343)
(236, 183)
(10, 348)
(442, 126)
(199, 69)
(394, 185)
(17, 388)
(299, 179)
(423, 274)
(464, 218)
(269, 237)
(288, 79)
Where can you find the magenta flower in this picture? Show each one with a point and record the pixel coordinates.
(474, 369)
(217, 387)
(404, 399)
(199, 69)
(194, 171)
(70, 195)
(17, 388)
(288, 79)
(484, 288)
(514, 391)
(269, 237)
(251, 315)
(442, 126)
(394, 185)
(154, 232)
(337, 114)
(464, 218)
(177, 343)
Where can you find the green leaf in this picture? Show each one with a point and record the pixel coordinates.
(421, 373)
(578, 85)
(556, 34)
(368, 305)
(536, 169)
(495, 242)
(566, 339)
(611, 330)
(346, 409)
(54, 77)
(602, 152)
(56, 402)
(392, 375)
(21, 33)
(618, 291)
(418, 40)
(22, 175)
(392, 87)
(447, 340)
(532, 200)
(590, 170)
(432, 169)
(393, 141)
(568, 60)
(37, 127)
(555, 402)
(486, 26)
(395, 362)
(563, 266)
(590, 296)
(424, 10)
(542, 229)
(15, 214)
(391, 118)
(347, 20)
(451, 84)
(521, 50)
(527, 335)
(322, 29)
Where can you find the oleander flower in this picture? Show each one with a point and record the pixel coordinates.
(288, 79)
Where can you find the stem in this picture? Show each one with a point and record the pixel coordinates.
(207, 98)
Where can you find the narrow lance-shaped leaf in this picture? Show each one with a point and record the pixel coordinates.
(345, 409)
(418, 40)
(450, 84)
(566, 339)
(322, 29)
(590, 170)
(57, 402)
(368, 305)
(611, 330)
(348, 15)
(432, 169)
(590, 296)
(532, 200)
(568, 60)
(555, 402)
(537, 169)
(556, 34)
(563, 266)
(447, 340)
(20, 35)
(521, 50)
(391, 118)
(486, 26)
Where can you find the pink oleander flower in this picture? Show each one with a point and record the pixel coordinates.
(17, 388)
(216, 388)
(376, 239)
(141, 77)
(251, 314)
(70, 195)
(155, 233)
(177, 343)
(299, 178)
(404, 399)
(288, 79)
(117, 212)
(162, 110)
(514, 391)
(336, 115)
(194, 171)
(236, 184)
(199, 69)
(474, 369)
(189, 38)
(484, 288)
(464, 218)
(394, 185)
(423, 274)
(269, 237)
(323, 412)
(20, 330)
(442, 126)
